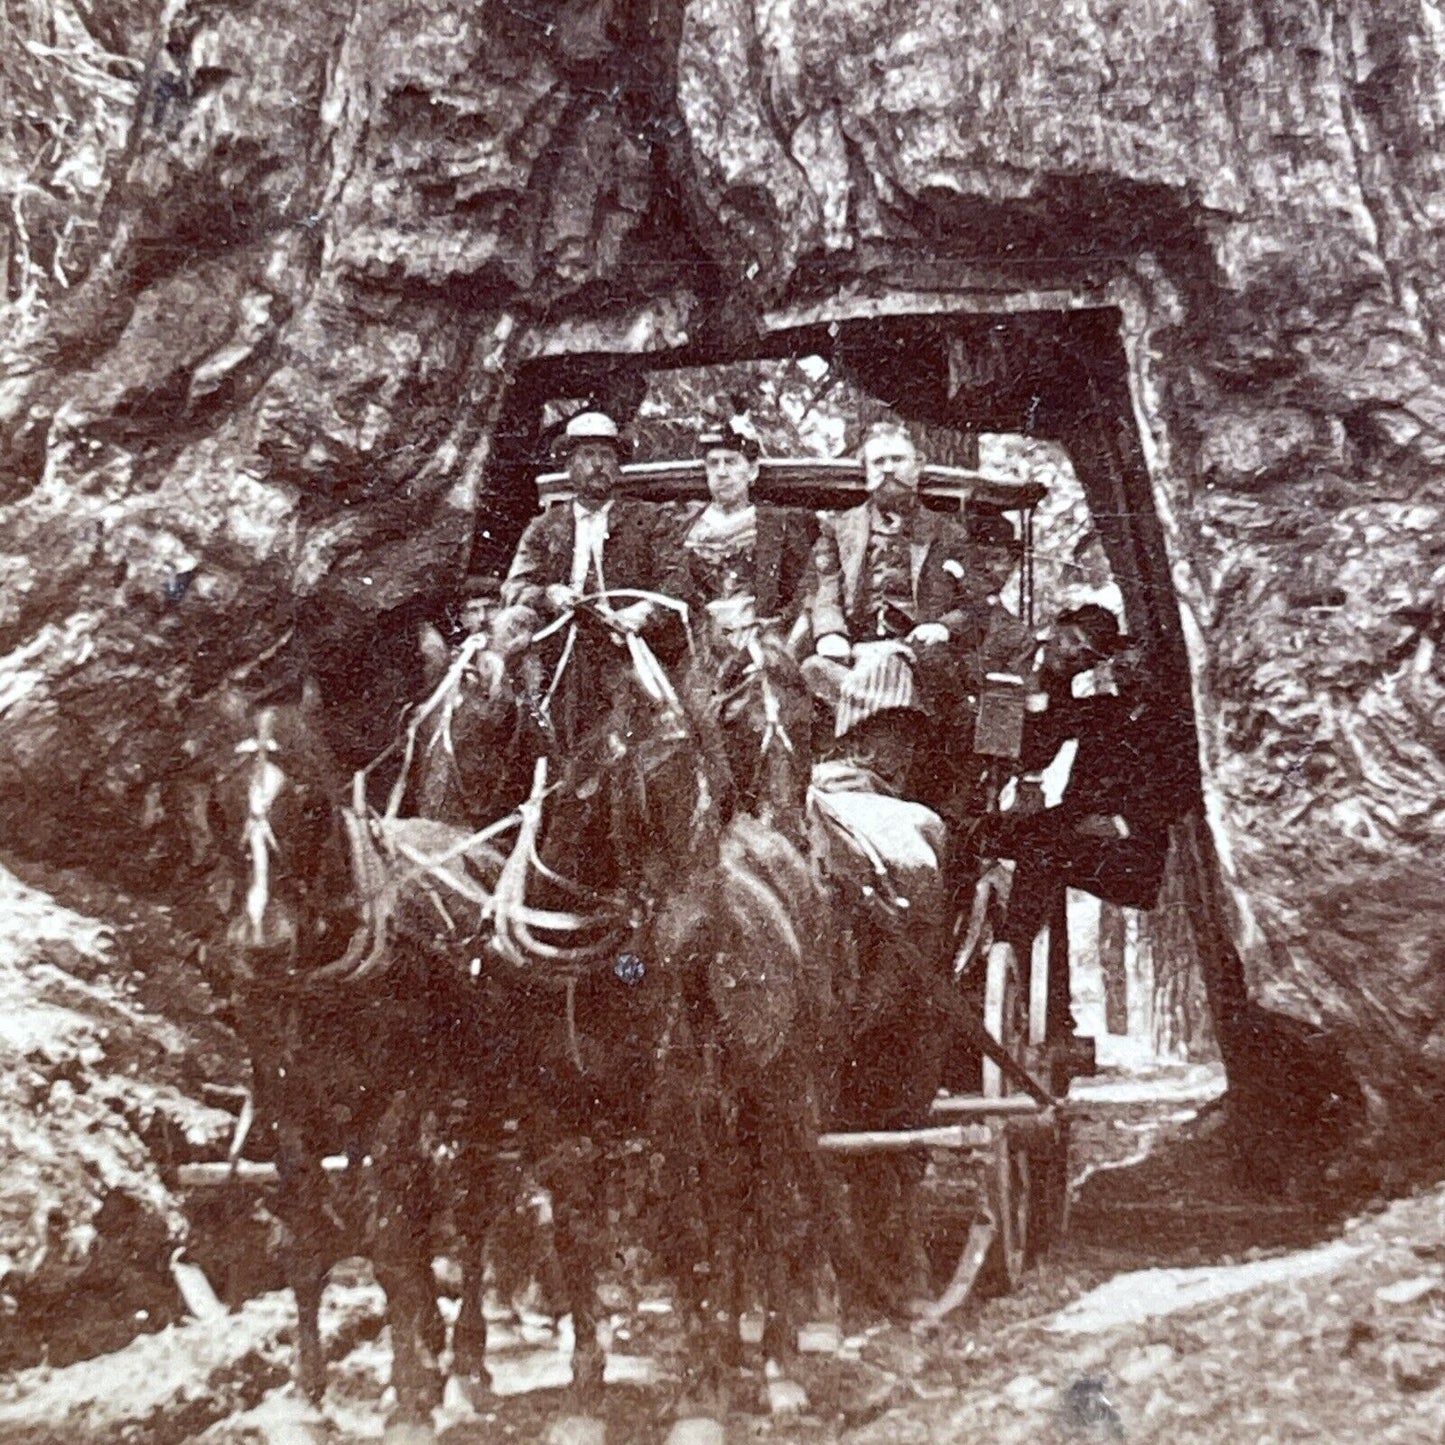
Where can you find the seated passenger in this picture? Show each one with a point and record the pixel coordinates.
(596, 542)
(893, 575)
(1008, 644)
(747, 563)
(1133, 775)
(1008, 647)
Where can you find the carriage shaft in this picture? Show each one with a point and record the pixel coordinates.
(939, 1136)
(982, 1106)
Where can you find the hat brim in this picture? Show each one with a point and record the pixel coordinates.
(1106, 647)
(564, 446)
(1112, 647)
(714, 442)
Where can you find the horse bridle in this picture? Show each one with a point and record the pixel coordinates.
(263, 788)
(609, 919)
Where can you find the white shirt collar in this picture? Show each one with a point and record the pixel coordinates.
(591, 531)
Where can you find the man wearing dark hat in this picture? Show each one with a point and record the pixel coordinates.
(1130, 779)
(996, 554)
(597, 542)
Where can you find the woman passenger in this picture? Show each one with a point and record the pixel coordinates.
(748, 563)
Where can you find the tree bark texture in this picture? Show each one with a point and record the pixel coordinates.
(1112, 938)
(1180, 1011)
(273, 387)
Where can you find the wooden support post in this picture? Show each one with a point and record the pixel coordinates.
(1060, 970)
(1039, 990)
(1112, 941)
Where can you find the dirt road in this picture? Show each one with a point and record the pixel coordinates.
(1173, 1312)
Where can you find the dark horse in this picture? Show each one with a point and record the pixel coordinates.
(342, 1061)
(881, 857)
(655, 954)
(661, 964)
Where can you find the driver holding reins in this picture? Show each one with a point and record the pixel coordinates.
(596, 543)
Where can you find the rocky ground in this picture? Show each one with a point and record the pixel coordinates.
(1178, 1309)
(111, 1065)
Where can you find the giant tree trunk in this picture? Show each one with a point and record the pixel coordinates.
(276, 387)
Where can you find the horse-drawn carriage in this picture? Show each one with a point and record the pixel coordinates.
(704, 988)
(1011, 1128)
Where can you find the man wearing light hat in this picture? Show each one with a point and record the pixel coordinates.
(595, 543)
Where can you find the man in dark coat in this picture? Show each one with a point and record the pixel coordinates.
(1133, 775)
(1008, 644)
(594, 543)
(893, 577)
(892, 569)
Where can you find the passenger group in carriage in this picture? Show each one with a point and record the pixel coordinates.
(901, 611)
(898, 606)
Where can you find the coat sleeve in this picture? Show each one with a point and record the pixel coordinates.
(1045, 732)
(1008, 645)
(795, 566)
(826, 584)
(966, 613)
(529, 575)
(670, 573)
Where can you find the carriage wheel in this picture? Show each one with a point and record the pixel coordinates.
(1010, 1184)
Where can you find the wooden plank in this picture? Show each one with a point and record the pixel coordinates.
(937, 288)
(977, 1106)
(212, 1175)
(216, 1174)
(980, 1106)
(783, 479)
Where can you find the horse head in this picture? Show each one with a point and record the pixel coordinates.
(278, 793)
(636, 764)
(468, 749)
(626, 799)
(764, 714)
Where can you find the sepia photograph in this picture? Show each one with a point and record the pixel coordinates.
(721, 721)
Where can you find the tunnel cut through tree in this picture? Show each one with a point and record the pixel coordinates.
(1062, 375)
(267, 384)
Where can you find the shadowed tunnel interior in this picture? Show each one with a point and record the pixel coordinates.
(1057, 375)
